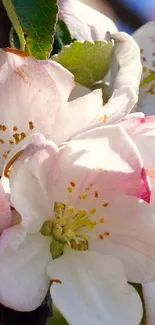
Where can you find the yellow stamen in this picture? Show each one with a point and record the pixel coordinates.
(70, 210)
(83, 196)
(70, 233)
(59, 231)
(92, 211)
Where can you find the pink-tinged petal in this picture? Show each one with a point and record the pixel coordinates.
(92, 291)
(131, 123)
(142, 132)
(145, 38)
(146, 187)
(137, 123)
(25, 178)
(23, 278)
(103, 159)
(5, 211)
(125, 229)
(126, 66)
(85, 23)
(149, 299)
(31, 91)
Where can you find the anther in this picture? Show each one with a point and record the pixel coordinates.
(92, 211)
(72, 184)
(96, 194)
(31, 125)
(105, 204)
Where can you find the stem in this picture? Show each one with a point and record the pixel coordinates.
(15, 22)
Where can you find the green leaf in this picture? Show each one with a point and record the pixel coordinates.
(148, 79)
(14, 40)
(38, 20)
(89, 62)
(57, 318)
(15, 21)
(63, 33)
(139, 289)
(61, 37)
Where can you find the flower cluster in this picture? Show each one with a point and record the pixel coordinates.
(77, 191)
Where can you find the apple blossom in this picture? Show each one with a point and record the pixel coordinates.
(80, 219)
(34, 98)
(145, 38)
(84, 23)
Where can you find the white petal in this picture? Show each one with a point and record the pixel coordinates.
(94, 290)
(12, 238)
(77, 115)
(145, 38)
(31, 91)
(84, 23)
(79, 91)
(23, 278)
(131, 226)
(26, 181)
(119, 105)
(149, 298)
(62, 77)
(126, 66)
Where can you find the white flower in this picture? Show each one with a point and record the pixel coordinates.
(76, 204)
(34, 98)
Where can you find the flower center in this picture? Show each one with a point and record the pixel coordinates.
(67, 228)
